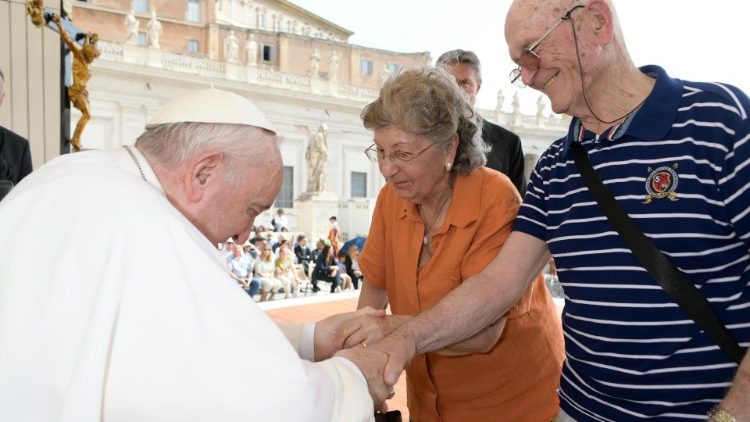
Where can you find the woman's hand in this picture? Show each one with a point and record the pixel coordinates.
(328, 331)
(369, 328)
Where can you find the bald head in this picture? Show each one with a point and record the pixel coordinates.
(576, 46)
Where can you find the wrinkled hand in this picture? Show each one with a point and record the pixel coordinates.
(328, 330)
(369, 329)
(371, 362)
(401, 348)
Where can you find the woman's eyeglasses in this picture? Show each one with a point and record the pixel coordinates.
(376, 154)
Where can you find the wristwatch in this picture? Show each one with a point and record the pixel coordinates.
(720, 415)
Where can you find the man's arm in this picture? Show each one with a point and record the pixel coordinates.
(737, 400)
(476, 303)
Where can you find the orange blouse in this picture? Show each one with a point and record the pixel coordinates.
(517, 380)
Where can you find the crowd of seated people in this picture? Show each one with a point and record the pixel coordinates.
(272, 263)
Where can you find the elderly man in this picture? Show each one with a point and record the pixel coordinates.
(126, 312)
(674, 154)
(506, 154)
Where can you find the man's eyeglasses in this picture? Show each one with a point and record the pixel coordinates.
(529, 58)
(376, 154)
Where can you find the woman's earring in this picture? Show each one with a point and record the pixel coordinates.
(448, 165)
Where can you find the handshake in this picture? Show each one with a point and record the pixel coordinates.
(383, 345)
(361, 338)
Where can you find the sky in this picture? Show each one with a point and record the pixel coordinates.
(691, 39)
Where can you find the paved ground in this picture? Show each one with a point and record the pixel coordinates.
(319, 306)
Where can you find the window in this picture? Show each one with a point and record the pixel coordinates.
(268, 53)
(286, 194)
(192, 47)
(140, 6)
(359, 184)
(393, 68)
(142, 38)
(365, 67)
(193, 10)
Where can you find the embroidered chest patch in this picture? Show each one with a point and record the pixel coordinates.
(661, 183)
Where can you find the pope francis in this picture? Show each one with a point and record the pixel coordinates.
(116, 306)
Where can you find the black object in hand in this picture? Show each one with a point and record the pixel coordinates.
(392, 416)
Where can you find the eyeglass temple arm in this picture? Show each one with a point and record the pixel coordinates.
(564, 18)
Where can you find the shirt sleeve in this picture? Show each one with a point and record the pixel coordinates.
(735, 172)
(372, 258)
(532, 217)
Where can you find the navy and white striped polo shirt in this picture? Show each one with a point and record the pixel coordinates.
(680, 168)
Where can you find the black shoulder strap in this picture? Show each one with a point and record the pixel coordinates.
(670, 278)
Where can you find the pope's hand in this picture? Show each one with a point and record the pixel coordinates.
(327, 331)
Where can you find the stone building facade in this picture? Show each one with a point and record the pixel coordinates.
(297, 67)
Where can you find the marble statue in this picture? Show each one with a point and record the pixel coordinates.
(500, 100)
(333, 66)
(314, 64)
(132, 25)
(251, 50)
(317, 160)
(154, 30)
(540, 105)
(384, 74)
(231, 47)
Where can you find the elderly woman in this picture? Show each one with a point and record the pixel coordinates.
(440, 218)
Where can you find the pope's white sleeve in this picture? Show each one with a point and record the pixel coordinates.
(302, 338)
(352, 401)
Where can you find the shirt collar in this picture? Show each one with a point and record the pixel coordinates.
(653, 119)
(465, 203)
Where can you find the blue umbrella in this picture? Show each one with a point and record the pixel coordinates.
(359, 241)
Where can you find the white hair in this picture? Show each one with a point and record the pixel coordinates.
(172, 144)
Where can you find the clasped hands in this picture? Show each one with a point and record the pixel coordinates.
(371, 340)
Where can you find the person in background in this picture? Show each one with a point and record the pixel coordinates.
(327, 269)
(15, 153)
(351, 264)
(334, 235)
(303, 253)
(674, 154)
(265, 271)
(439, 220)
(285, 271)
(280, 222)
(315, 255)
(505, 154)
(241, 269)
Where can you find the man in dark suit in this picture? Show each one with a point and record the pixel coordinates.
(506, 155)
(15, 155)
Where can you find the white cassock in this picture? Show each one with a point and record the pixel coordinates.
(114, 307)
